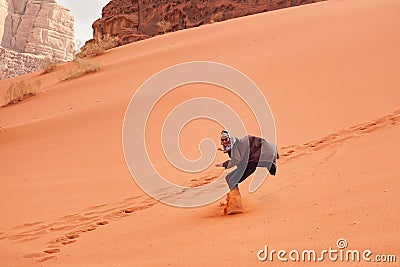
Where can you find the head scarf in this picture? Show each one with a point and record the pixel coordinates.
(227, 134)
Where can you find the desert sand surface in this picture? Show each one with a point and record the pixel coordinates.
(330, 72)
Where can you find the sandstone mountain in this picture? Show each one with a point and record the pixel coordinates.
(132, 20)
(31, 30)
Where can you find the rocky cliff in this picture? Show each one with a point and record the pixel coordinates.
(132, 20)
(35, 29)
(3, 15)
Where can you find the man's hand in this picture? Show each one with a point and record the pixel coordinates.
(220, 149)
(219, 165)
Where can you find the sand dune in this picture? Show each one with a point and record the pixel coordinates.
(329, 72)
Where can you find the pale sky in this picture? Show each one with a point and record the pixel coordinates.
(85, 13)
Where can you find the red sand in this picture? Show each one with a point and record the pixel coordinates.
(330, 73)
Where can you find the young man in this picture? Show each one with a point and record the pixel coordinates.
(247, 154)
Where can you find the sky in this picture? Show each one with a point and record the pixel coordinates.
(85, 13)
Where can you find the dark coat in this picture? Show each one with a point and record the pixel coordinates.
(252, 149)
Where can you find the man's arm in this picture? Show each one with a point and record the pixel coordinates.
(224, 164)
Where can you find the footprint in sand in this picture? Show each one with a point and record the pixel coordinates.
(45, 259)
(26, 225)
(68, 242)
(52, 250)
(35, 255)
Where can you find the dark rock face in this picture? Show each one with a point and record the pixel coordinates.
(133, 20)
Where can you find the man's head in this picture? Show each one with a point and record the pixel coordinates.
(225, 138)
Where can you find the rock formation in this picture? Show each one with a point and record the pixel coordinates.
(132, 20)
(13, 64)
(35, 29)
(3, 15)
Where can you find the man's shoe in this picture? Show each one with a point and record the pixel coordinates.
(233, 202)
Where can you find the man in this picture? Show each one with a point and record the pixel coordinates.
(247, 154)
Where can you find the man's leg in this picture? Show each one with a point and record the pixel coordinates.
(242, 171)
(250, 169)
(233, 202)
(233, 199)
